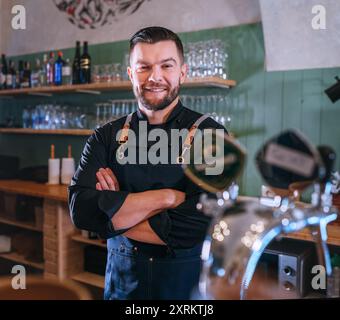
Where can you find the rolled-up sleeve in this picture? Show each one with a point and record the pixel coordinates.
(91, 209)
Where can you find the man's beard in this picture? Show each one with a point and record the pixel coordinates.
(159, 104)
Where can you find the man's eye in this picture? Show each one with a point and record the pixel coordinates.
(143, 68)
(167, 66)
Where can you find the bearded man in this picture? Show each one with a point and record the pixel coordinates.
(146, 211)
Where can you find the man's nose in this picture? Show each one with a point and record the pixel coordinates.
(156, 74)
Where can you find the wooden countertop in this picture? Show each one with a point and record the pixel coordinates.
(30, 188)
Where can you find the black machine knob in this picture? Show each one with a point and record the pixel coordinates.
(288, 286)
(289, 271)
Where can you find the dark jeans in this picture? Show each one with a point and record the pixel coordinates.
(136, 270)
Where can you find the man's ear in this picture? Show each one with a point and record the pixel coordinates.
(184, 72)
(129, 71)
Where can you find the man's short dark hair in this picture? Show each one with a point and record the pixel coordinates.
(155, 34)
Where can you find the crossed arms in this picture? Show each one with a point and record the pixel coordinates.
(97, 204)
(138, 207)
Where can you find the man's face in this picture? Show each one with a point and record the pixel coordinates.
(156, 73)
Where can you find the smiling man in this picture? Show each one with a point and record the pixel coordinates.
(146, 211)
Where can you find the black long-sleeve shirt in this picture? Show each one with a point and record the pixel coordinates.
(181, 227)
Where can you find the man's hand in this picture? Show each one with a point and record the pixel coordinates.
(106, 180)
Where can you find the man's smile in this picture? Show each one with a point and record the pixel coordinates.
(155, 90)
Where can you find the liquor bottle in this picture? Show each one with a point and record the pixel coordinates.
(28, 73)
(20, 74)
(9, 76)
(43, 71)
(26, 78)
(58, 69)
(85, 65)
(12, 76)
(1, 76)
(50, 70)
(3, 72)
(35, 75)
(67, 74)
(76, 65)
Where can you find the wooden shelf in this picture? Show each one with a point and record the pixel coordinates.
(35, 189)
(80, 238)
(97, 88)
(209, 82)
(13, 256)
(90, 278)
(333, 235)
(20, 224)
(70, 132)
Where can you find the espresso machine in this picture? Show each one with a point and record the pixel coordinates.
(242, 228)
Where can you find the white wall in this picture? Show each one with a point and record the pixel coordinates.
(290, 39)
(48, 28)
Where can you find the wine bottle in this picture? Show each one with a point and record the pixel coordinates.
(1, 76)
(12, 76)
(3, 72)
(20, 74)
(35, 75)
(58, 69)
(9, 79)
(85, 65)
(76, 65)
(67, 73)
(26, 77)
(50, 70)
(43, 71)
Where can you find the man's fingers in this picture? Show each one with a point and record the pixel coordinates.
(113, 177)
(98, 187)
(102, 181)
(108, 180)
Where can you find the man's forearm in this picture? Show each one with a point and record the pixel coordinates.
(138, 207)
(143, 232)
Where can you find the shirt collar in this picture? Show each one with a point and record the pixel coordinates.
(174, 113)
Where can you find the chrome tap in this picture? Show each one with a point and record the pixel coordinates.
(241, 230)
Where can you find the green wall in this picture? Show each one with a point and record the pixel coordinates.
(262, 103)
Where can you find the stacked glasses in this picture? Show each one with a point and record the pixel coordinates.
(207, 59)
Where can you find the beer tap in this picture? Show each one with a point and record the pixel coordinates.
(289, 218)
(242, 229)
(322, 208)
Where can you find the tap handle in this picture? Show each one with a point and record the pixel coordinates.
(328, 157)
